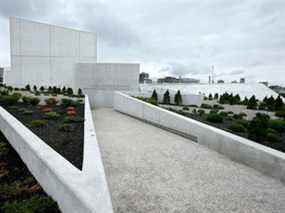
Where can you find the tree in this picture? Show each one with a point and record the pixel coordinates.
(271, 103)
(166, 97)
(245, 101)
(63, 90)
(42, 89)
(28, 87)
(69, 91)
(178, 98)
(35, 88)
(210, 97)
(279, 103)
(154, 95)
(79, 92)
(216, 96)
(252, 103)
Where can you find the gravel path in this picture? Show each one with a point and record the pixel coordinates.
(151, 170)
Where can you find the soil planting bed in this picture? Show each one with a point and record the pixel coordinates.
(64, 135)
(19, 191)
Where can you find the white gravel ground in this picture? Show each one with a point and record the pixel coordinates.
(151, 170)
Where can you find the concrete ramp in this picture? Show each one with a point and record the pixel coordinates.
(152, 170)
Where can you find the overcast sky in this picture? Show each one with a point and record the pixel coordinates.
(241, 38)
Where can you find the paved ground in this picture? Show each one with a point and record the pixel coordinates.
(152, 170)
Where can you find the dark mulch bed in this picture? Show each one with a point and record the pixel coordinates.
(68, 144)
(19, 191)
(227, 122)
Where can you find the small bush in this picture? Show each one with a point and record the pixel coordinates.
(65, 128)
(193, 105)
(201, 112)
(77, 119)
(280, 114)
(69, 91)
(224, 114)
(42, 89)
(152, 101)
(51, 101)
(52, 115)
(206, 106)
(274, 138)
(214, 118)
(185, 108)
(28, 87)
(18, 95)
(278, 125)
(9, 100)
(237, 127)
(4, 149)
(35, 101)
(217, 106)
(26, 99)
(68, 102)
(214, 111)
(28, 112)
(38, 123)
(239, 116)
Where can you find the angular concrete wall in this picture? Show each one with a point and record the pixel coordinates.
(43, 54)
(75, 191)
(100, 80)
(262, 158)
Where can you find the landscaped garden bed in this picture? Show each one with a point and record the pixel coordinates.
(58, 119)
(19, 191)
(261, 121)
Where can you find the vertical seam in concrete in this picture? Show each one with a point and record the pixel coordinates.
(50, 64)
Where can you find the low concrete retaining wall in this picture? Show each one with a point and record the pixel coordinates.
(75, 191)
(262, 158)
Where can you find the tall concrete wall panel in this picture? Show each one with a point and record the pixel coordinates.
(43, 54)
(100, 80)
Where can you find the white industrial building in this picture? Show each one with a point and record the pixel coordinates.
(48, 55)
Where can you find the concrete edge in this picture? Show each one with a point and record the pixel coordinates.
(264, 159)
(74, 190)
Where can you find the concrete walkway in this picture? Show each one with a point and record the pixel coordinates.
(151, 170)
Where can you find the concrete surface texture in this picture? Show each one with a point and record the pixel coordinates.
(75, 190)
(250, 153)
(100, 80)
(244, 90)
(152, 170)
(43, 54)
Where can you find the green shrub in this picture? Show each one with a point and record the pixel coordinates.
(278, 125)
(38, 123)
(224, 114)
(166, 97)
(52, 115)
(28, 112)
(178, 98)
(274, 138)
(27, 87)
(4, 149)
(185, 108)
(214, 118)
(9, 100)
(201, 112)
(65, 128)
(69, 91)
(237, 127)
(239, 116)
(217, 106)
(26, 99)
(18, 95)
(67, 102)
(280, 114)
(214, 111)
(193, 105)
(35, 101)
(206, 106)
(243, 122)
(152, 101)
(69, 119)
(35, 204)
(51, 101)
(42, 89)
